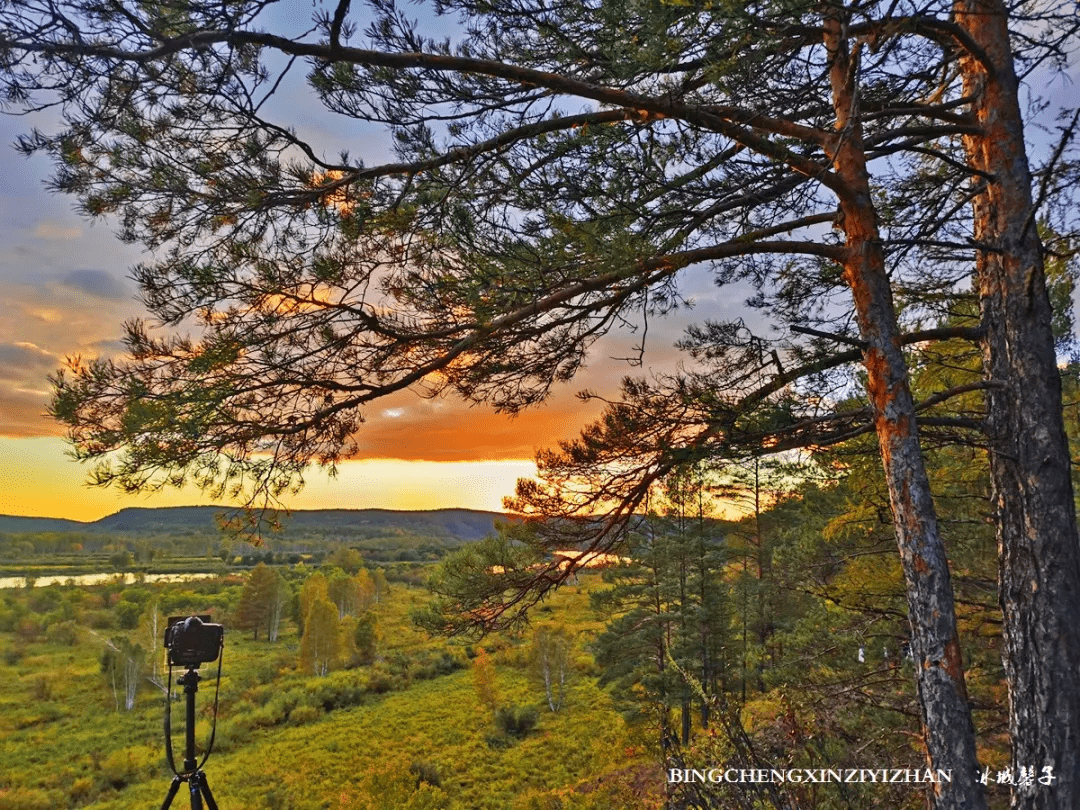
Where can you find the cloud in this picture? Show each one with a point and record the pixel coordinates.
(97, 283)
(448, 429)
(22, 413)
(19, 359)
(108, 348)
(42, 322)
(23, 389)
(44, 314)
(54, 230)
(25, 354)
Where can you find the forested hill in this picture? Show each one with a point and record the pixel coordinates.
(10, 524)
(457, 524)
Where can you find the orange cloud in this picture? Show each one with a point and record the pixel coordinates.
(22, 412)
(410, 428)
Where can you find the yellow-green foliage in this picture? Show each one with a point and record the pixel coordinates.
(483, 673)
(403, 733)
(320, 649)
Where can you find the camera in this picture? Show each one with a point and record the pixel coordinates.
(192, 640)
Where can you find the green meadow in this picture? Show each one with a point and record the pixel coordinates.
(407, 731)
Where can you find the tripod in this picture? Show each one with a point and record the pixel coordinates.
(192, 773)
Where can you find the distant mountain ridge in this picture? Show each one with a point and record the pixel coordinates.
(461, 524)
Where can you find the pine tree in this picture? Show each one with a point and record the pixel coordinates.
(257, 600)
(638, 646)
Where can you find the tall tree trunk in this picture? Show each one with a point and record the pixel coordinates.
(946, 717)
(764, 624)
(1038, 551)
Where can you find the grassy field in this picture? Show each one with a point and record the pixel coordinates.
(406, 732)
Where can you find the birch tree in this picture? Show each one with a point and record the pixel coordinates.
(152, 635)
(122, 663)
(551, 660)
(321, 646)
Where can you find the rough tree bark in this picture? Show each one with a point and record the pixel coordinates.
(946, 717)
(1038, 551)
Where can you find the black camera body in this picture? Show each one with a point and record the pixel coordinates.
(193, 640)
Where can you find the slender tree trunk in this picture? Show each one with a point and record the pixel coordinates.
(946, 717)
(705, 630)
(1038, 551)
(132, 670)
(563, 671)
(153, 629)
(759, 542)
(745, 612)
(277, 602)
(706, 627)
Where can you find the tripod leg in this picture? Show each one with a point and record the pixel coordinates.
(205, 787)
(175, 786)
(193, 786)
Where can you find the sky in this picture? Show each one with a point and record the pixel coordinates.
(65, 291)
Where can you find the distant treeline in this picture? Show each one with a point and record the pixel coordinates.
(47, 547)
(149, 535)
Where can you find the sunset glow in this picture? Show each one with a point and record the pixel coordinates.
(36, 479)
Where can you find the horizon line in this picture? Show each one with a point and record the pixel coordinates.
(283, 510)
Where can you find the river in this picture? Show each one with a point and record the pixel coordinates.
(99, 579)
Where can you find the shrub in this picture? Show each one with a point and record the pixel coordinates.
(497, 741)
(128, 765)
(516, 721)
(381, 682)
(303, 714)
(63, 633)
(230, 735)
(272, 714)
(21, 798)
(101, 620)
(448, 663)
(127, 614)
(542, 802)
(82, 789)
(277, 799)
(335, 692)
(43, 713)
(425, 773)
(42, 688)
(27, 629)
